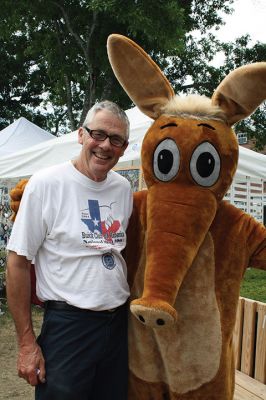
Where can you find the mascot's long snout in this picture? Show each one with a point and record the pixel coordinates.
(176, 227)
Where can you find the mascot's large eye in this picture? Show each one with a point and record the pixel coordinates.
(166, 160)
(205, 164)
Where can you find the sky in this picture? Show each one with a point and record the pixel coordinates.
(249, 17)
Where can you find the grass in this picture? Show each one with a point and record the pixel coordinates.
(254, 285)
(11, 386)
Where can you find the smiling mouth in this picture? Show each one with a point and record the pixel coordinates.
(101, 156)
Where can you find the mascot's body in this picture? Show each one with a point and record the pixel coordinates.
(187, 248)
(193, 357)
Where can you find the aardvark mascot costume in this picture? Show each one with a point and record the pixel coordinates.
(187, 248)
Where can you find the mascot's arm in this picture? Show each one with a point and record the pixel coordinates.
(256, 242)
(246, 235)
(136, 234)
(16, 196)
(243, 240)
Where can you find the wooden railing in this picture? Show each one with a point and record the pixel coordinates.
(250, 339)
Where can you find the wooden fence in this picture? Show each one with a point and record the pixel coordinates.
(250, 339)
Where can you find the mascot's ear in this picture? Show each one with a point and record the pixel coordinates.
(242, 91)
(140, 77)
(16, 196)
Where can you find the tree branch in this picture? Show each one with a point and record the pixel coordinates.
(83, 44)
(66, 78)
(78, 39)
(92, 29)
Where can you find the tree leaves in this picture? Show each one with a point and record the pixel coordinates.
(54, 65)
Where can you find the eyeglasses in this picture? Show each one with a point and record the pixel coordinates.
(100, 136)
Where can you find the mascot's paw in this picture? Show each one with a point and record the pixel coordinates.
(154, 314)
(16, 195)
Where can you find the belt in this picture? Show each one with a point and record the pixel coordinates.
(62, 305)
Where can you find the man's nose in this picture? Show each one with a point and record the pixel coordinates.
(105, 143)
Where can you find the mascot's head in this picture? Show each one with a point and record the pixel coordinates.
(193, 119)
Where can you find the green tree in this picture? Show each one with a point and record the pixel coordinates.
(20, 87)
(59, 50)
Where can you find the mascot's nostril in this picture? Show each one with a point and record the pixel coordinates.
(160, 322)
(141, 319)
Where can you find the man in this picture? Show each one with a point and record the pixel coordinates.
(72, 222)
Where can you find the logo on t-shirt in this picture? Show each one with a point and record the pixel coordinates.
(108, 260)
(102, 226)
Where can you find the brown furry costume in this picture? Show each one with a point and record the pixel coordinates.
(187, 249)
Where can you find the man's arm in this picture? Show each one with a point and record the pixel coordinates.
(30, 358)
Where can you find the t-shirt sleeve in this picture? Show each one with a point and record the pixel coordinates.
(29, 228)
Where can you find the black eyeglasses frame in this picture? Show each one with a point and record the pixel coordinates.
(94, 132)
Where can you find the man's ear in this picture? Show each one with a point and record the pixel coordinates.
(80, 135)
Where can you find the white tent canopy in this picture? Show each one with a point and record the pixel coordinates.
(28, 161)
(21, 135)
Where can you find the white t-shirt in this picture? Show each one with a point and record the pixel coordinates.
(75, 229)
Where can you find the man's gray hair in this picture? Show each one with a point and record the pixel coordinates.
(113, 108)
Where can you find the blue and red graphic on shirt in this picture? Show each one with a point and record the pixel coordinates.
(96, 223)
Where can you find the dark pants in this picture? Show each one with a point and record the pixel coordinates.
(85, 355)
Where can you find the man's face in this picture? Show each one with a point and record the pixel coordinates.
(98, 157)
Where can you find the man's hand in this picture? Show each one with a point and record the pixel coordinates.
(30, 358)
(30, 364)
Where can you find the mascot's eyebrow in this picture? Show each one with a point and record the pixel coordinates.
(207, 126)
(170, 124)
